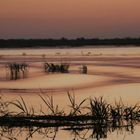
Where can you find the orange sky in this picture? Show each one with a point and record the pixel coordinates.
(69, 18)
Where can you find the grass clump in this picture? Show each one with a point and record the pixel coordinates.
(100, 110)
(95, 111)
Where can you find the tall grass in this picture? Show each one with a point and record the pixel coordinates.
(76, 109)
(23, 108)
(97, 112)
(54, 109)
(100, 109)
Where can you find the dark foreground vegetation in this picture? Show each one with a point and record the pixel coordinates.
(92, 118)
(64, 42)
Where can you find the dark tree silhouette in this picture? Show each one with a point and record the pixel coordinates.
(64, 42)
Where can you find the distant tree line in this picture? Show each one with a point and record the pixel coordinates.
(64, 42)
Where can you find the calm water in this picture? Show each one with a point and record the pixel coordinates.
(74, 51)
(111, 78)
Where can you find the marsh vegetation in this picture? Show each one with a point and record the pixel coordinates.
(16, 71)
(94, 116)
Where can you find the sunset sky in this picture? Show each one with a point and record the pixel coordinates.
(69, 18)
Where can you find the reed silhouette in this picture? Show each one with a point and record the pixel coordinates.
(16, 70)
(51, 67)
(93, 120)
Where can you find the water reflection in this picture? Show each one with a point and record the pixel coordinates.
(98, 131)
(95, 132)
(10, 133)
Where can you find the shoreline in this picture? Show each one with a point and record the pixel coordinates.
(102, 46)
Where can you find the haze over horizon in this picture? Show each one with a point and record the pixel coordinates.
(70, 19)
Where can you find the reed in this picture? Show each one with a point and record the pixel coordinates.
(76, 109)
(60, 68)
(100, 110)
(97, 112)
(21, 105)
(117, 111)
(54, 109)
(16, 70)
